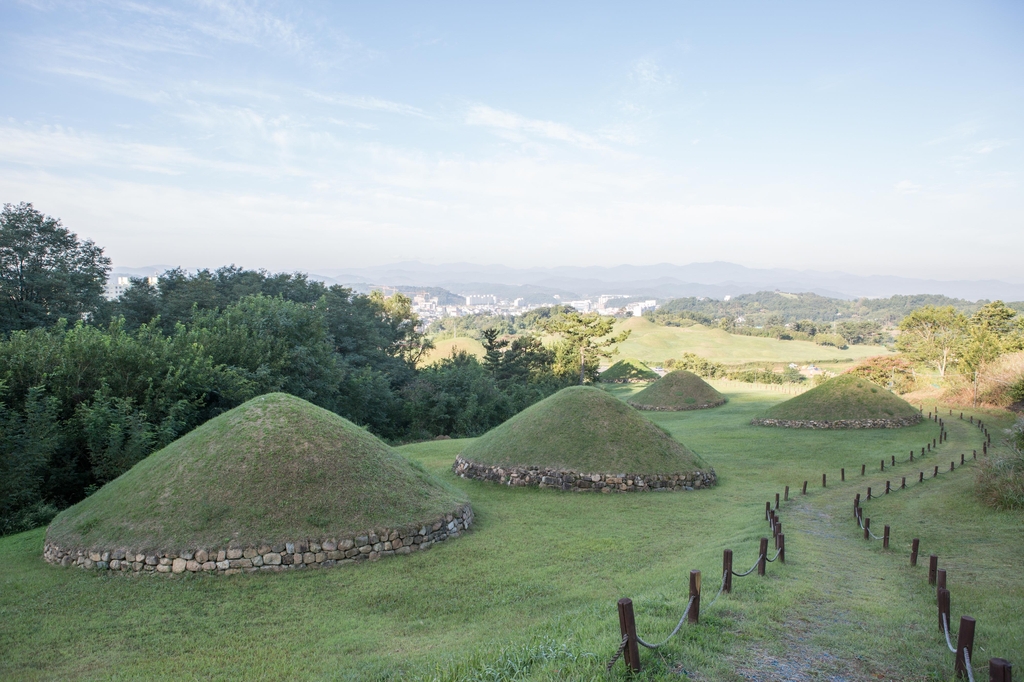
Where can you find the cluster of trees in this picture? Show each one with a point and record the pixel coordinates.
(88, 387)
(474, 326)
(946, 339)
(702, 367)
(758, 308)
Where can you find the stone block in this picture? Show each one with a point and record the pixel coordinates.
(178, 565)
(257, 561)
(320, 557)
(307, 558)
(202, 556)
(192, 565)
(272, 559)
(330, 546)
(223, 565)
(239, 563)
(162, 568)
(249, 552)
(234, 553)
(209, 566)
(222, 556)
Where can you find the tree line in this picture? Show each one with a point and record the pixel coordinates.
(88, 387)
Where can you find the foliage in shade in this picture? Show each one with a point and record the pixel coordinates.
(679, 390)
(628, 369)
(846, 396)
(583, 429)
(274, 469)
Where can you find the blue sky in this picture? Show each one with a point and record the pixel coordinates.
(876, 138)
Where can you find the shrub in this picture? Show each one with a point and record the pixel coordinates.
(893, 372)
(1001, 479)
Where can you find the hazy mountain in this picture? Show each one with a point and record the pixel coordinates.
(665, 280)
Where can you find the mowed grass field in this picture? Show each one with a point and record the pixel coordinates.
(530, 592)
(656, 343)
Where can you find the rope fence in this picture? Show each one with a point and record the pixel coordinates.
(628, 649)
(1000, 670)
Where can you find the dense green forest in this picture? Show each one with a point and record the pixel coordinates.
(88, 387)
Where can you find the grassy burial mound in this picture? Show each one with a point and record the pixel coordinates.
(845, 402)
(276, 482)
(677, 391)
(628, 371)
(582, 438)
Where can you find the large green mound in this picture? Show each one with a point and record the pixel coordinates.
(679, 390)
(276, 469)
(628, 370)
(582, 429)
(845, 397)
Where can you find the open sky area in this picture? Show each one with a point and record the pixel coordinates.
(876, 138)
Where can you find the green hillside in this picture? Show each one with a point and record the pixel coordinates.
(583, 429)
(655, 343)
(274, 469)
(676, 391)
(844, 397)
(628, 370)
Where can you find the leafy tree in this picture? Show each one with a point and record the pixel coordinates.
(28, 440)
(933, 335)
(889, 371)
(46, 273)
(455, 396)
(587, 339)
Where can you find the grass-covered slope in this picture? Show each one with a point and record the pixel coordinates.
(679, 390)
(583, 429)
(628, 369)
(844, 397)
(272, 470)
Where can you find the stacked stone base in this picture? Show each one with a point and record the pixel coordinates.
(655, 408)
(840, 423)
(285, 556)
(581, 482)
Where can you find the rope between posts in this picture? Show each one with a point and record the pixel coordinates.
(618, 654)
(740, 575)
(945, 628)
(776, 555)
(725, 574)
(967, 664)
(665, 641)
(873, 536)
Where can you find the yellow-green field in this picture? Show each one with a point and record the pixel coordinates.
(655, 343)
(445, 347)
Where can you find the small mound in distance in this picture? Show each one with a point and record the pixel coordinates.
(275, 469)
(628, 370)
(677, 391)
(582, 429)
(845, 398)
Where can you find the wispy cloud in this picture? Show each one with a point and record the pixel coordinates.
(647, 71)
(482, 115)
(907, 187)
(368, 103)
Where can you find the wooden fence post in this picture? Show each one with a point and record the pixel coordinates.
(920, 479)
(823, 480)
(727, 569)
(805, 487)
(903, 484)
(882, 468)
(782, 548)
(786, 498)
(911, 455)
(862, 467)
(999, 670)
(885, 538)
(767, 510)
(867, 526)
(933, 567)
(842, 474)
(627, 629)
(776, 500)
(778, 532)
(964, 640)
(887, 487)
(962, 458)
(694, 616)
(943, 602)
(763, 561)
(914, 546)
(894, 460)
(951, 467)
(936, 471)
(869, 493)
(940, 579)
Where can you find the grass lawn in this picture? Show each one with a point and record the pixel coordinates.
(530, 592)
(656, 343)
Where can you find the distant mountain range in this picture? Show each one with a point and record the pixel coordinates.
(662, 281)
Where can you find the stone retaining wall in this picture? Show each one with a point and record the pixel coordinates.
(654, 408)
(579, 482)
(302, 554)
(839, 423)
